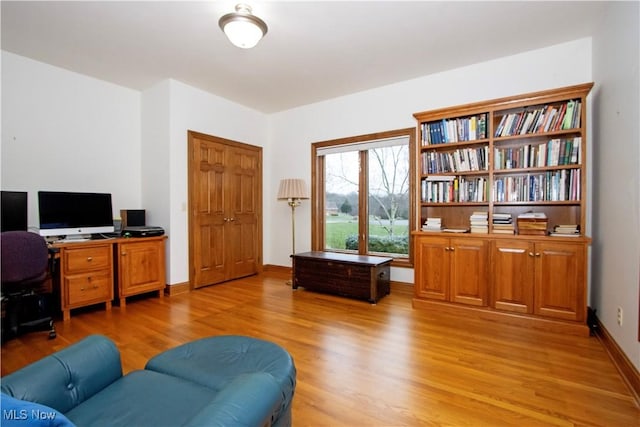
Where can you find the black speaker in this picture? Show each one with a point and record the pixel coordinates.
(14, 210)
(132, 218)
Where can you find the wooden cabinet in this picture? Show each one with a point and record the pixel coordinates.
(541, 278)
(451, 269)
(86, 275)
(140, 267)
(512, 277)
(560, 280)
(483, 164)
(507, 156)
(90, 271)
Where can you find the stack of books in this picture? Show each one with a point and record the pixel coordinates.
(532, 223)
(503, 223)
(432, 224)
(566, 230)
(479, 222)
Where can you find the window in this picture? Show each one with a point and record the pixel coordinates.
(363, 195)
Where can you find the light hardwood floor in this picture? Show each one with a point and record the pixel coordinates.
(372, 365)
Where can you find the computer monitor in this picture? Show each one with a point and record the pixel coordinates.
(74, 214)
(13, 211)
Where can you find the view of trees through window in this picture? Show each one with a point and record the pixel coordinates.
(387, 203)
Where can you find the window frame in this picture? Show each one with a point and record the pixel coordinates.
(318, 191)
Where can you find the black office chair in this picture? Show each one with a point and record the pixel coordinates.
(24, 269)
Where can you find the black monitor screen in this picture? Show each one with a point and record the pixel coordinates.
(14, 211)
(63, 213)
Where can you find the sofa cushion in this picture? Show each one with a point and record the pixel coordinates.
(68, 377)
(215, 361)
(22, 413)
(249, 400)
(143, 398)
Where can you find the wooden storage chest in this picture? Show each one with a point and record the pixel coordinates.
(354, 276)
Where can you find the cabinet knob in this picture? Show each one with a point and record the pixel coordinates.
(537, 253)
(531, 254)
(89, 259)
(123, 254)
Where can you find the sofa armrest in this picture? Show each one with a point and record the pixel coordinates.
(250, 400)
(68, 377)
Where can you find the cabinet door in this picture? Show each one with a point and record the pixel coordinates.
(141, 267)
(469, 266)
(560, 278)
(432, 268)
(512, 276)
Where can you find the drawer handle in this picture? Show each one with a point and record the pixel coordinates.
(381, 275)
(511, 250)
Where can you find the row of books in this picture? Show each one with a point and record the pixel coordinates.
(554, 186)
(502, 223)
(448, 188)
(461, 160)
(455, 130)
(566, 230)
(479, 222)
(432, 224)
(555, 152)
(547, 118)
(530, 223)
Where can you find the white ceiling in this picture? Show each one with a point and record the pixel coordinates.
(313, 50)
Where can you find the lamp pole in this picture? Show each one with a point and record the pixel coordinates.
(293, 202)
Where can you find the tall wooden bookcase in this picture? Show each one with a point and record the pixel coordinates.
(518, 155)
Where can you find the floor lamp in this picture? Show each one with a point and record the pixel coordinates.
(292, 190)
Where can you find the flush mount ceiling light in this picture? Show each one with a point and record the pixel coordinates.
(242, 27)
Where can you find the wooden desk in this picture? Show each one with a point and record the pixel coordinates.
(354, 276)
(92, 272)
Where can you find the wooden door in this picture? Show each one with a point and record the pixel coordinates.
(243, 208)
(512, 276)
(225, 199)
(432, 268)
(469, 266)
(560, 276)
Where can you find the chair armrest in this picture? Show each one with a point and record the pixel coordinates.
(68, 377)
(250, 400)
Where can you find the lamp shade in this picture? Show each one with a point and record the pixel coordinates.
(292, 188)
(242, 28)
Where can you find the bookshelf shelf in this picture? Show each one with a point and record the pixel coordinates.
(480, 167)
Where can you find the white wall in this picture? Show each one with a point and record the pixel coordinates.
(392, 107)
(178, 109)
(616, 190)
(64, 131)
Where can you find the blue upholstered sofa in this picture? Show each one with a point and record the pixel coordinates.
(83, 385)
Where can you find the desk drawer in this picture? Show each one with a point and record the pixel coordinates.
(88, 288)
(78, 260)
